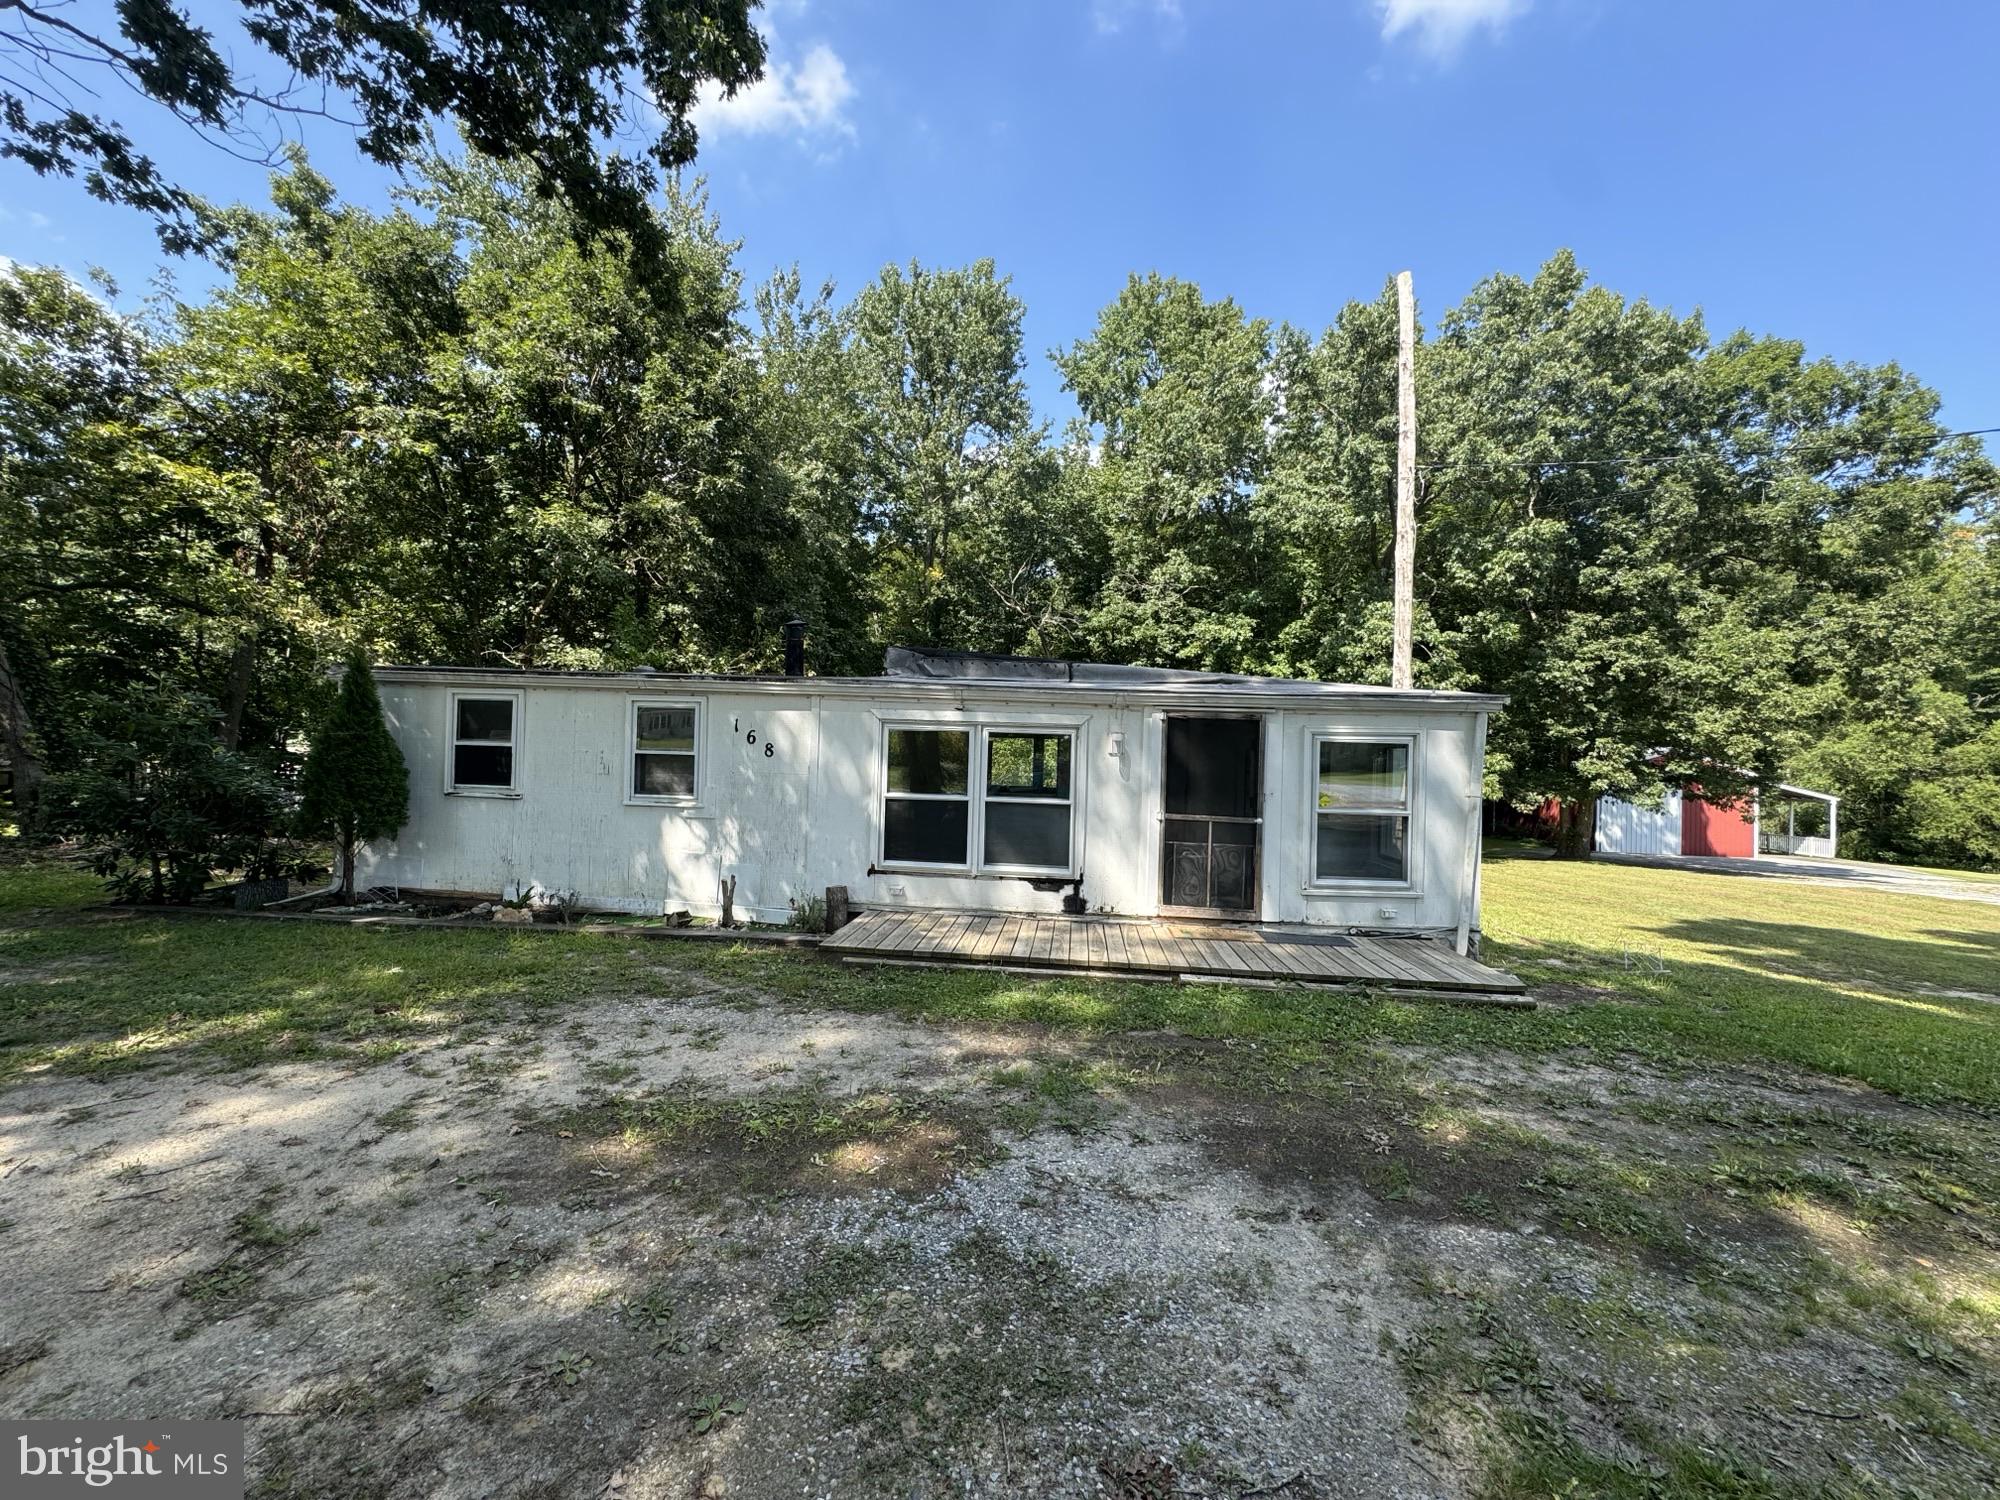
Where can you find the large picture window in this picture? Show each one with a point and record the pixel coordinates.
(927, 807)
(482, 741)
(664, 754)
(993, 799)
(1361, 806)
(1027, 803)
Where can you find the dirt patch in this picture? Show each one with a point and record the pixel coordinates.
(712, 1244)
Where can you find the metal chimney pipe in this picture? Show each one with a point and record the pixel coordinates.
(795, 647)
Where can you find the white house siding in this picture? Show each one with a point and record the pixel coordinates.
(1623, 828)
(789, 824)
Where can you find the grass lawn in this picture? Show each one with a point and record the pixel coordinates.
(1654, 1240)
(1676, 967)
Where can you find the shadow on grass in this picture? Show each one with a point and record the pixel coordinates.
(108, 993)
(1935, 956)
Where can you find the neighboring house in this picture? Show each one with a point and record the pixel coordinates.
(1798, 821)
(952, 781)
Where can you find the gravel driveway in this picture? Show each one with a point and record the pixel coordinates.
(1850, 873)
(708, 1244)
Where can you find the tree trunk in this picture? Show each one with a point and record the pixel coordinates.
(236, 690)
(347, 842)
(18, 728)
(1576, 828)
(243, 660)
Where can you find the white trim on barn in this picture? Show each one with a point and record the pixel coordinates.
(1626, 828)
(790, 785)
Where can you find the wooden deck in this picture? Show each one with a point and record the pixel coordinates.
(1132, 945)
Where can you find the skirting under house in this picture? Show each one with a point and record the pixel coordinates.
(952, 781)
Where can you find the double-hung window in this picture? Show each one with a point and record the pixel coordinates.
(483, 741)
(663, 751)
(1361, 809)
(1026, 822)
(927, 804)
(979, 799)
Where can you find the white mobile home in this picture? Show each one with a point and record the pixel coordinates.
(951, 781)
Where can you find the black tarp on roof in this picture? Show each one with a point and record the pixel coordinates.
(925, 661)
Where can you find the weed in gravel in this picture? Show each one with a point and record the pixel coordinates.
(712, 1412)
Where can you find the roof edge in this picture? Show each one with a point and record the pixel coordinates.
(1265, 690)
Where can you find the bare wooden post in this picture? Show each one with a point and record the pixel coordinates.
(728, 902)
(1406, 479)
(838, 912)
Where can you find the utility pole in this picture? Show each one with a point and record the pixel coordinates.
(1406, 478)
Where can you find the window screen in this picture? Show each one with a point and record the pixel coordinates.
(482, 746)
(1027, 804)
(663, 750)
(927, 806)
(1362, 810)
(1353, 848)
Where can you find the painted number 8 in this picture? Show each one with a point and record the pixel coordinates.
(770, 746)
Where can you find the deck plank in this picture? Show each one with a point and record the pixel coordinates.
(920, 926)
(1282, 955)
(1024, 938)
(1430, 958)
(1385, 953)
(988, 943)
(879, 930)
(932, 931)
(1162, 947)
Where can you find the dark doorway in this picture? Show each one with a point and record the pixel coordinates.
(1214, 785)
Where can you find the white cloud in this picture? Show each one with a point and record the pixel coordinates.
(808, 98)
(1110, 16)
(1443, 26)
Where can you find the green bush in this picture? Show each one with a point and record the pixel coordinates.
(163, 803)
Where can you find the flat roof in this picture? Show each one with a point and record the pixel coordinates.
(1147, 685)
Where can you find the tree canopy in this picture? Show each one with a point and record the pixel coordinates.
(540, 85)
(485, 427)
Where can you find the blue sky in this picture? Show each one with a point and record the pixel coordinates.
(1810, 168)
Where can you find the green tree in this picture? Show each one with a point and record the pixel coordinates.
(1562, 572)
(112, 553)
(288, 391)
(812, 408)
(541, 85)
(354, 784)
(162, 803)
(607, 492)
(1326, 508)
(1856, 593)
(1178, 401)
(953, 471)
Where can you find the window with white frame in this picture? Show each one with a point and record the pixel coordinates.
(1361, 809)
(1015, 787)
(664, 754)
(927, 798)
(483, 729)
(1026, 810)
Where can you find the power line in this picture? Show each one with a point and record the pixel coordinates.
(1668, 458)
